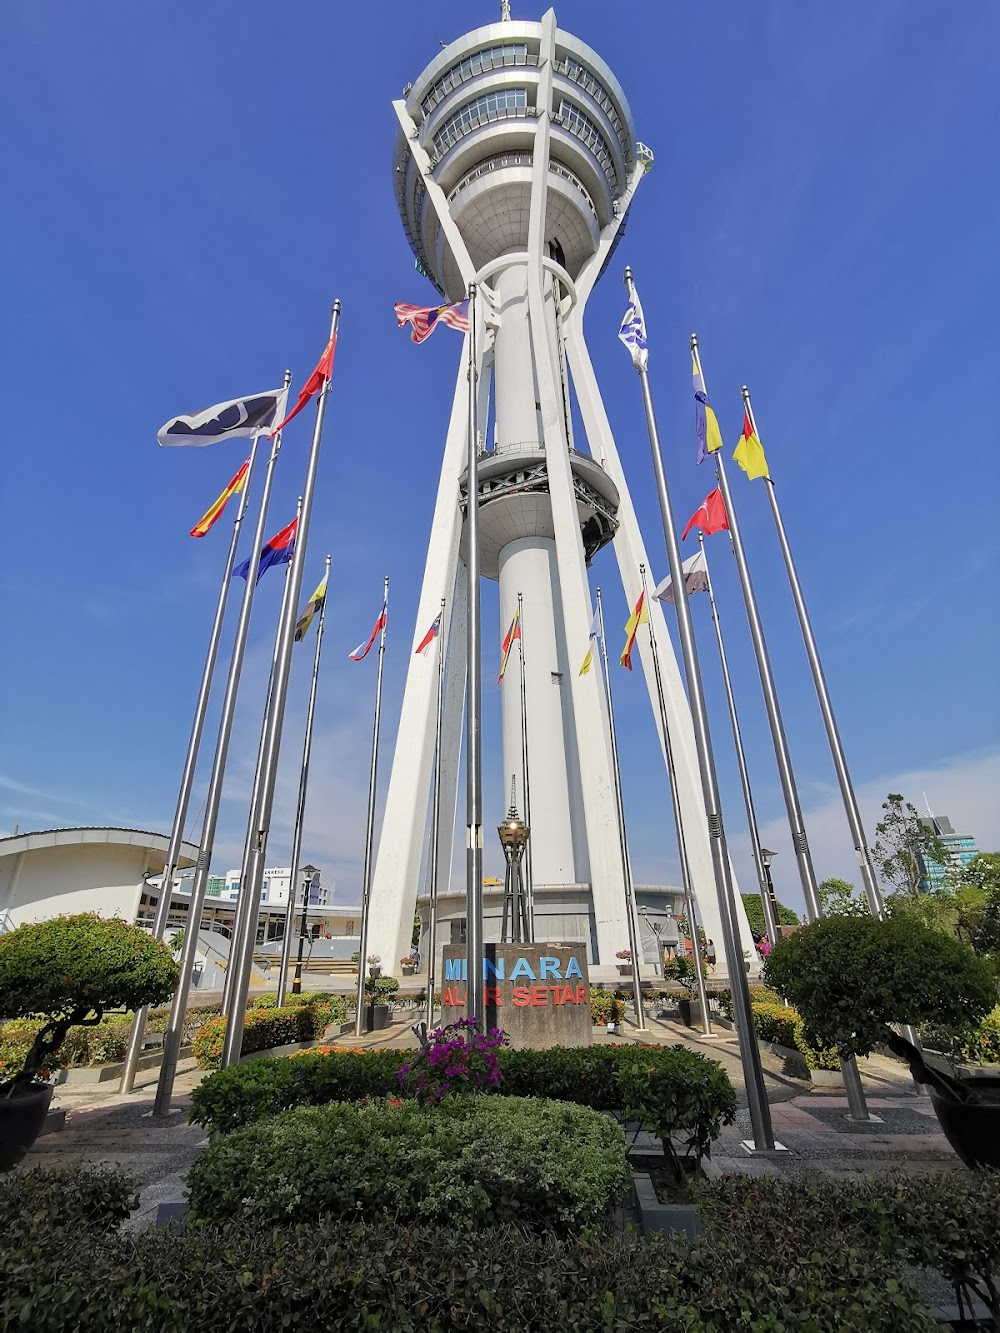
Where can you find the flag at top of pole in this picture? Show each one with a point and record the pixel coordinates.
(593, 637)
(695, 578)
(278, 551)
(430, 636)
(749, 453)
(513, 633)
(423, 320)
(363, 649)
(710, 515)
(633, 331)
(706, 423)
(213, 515)
(312, 386)
(640, 616)
(238, 418)
(314, 604)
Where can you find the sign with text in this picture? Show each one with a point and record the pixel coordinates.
(538, 993)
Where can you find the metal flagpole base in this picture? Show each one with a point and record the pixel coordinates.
(750, 1148)
(870, 1119)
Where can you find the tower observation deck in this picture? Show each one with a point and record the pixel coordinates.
(514, 167)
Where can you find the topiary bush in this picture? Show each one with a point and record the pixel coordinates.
(684, 1103)
(467, 1161)
(67, 971)
(851, 977)
(681, 970)
(262, 1030)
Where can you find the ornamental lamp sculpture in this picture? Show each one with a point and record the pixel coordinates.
(514, 834)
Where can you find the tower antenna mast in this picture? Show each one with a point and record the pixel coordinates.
(504, 11)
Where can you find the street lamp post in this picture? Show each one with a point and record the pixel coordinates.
(767, 857)
(514, 834)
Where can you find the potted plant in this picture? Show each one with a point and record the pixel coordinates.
(855, 980)
(624, 957)
(66, 972)
(682, 971)
(378, 990)
(356, 960)
(374, 965)
(407, 964)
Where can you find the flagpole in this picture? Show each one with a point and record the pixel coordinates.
(435, 829)
(633, 941)
(300, 810)
(247, 917)
(366, 876)
(766, 891)
(473, 709)
(188, 775)
(803, 856)
(199, 887)
(668, 750)
(527, 883)
(234, 1028)
(760, 1112)
(861, 849)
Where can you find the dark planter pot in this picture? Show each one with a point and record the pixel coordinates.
(973, 1131)
(374, 970)
(21, 1121)
(690, 1011)
(377, 1017)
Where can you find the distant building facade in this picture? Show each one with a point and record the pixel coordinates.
(275, 884)
(960, 848)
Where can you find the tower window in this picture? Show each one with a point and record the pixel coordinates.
(496, 105)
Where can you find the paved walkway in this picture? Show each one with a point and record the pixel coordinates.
(104, 1127)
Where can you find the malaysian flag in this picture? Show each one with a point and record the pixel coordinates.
(423, 320)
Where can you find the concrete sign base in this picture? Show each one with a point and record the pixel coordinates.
(539, 994)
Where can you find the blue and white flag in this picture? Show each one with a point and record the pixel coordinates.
(633, 332)
(245, 417)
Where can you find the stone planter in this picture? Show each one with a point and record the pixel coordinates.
(624, 969)
(21, 1121)
(690, 1011)
(662, 1217)
(407, 971)
(826, 1078)
(375, 971)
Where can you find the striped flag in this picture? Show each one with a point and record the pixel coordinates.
(215, 513)
(314, 604)
(595, 630)
(640, 616)
(362, 649)
(423, 320)
(278, 551)
(430, 636)
(513, 633)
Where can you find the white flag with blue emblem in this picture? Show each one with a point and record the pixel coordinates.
(240, 417)
(633, 332)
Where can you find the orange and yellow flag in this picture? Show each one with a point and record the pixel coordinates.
(215, 513)
(513, 633)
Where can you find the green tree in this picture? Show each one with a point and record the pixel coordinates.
(70, 970)
(905, 846)
(978, 905)
(837, 897)
(755, 915)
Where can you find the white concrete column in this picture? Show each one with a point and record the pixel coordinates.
(558, 832)
(516, 388)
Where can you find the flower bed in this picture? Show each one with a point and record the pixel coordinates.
(467, 1161)
(263, 1029)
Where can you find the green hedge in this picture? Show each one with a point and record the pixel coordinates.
(980, 1046)
(757, 1267)
(776, 1021)
(105, 1043)
(468, 1162)
(262, 1029)
(682, 1092)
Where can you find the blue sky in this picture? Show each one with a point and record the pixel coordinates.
(188, 186)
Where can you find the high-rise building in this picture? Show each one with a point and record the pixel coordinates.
(960, 848)
(515, 167)
(274, 888)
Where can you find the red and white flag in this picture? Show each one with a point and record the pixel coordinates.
(710, 515)
(362, 648)
(429, 637)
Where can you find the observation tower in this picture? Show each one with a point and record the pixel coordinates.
(515, 165)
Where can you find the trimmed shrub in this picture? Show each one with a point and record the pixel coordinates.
(775, 1022)
(605, 1008)
(758, 995)
(760, 1269)
(380, 990)
(91, 1198)
(467, 1161)
(262, 1030)
(682, 1102)
(850, 977)
(67, 971)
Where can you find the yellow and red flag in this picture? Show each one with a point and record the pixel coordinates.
(640, 616)
(513, 633)
(749, 453)
(215, 513)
